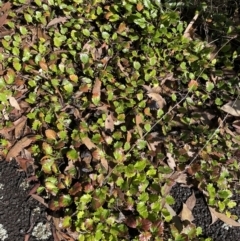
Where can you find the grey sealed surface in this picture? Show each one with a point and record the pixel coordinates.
(19, 213)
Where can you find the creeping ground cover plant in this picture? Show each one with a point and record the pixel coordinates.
(109, 104)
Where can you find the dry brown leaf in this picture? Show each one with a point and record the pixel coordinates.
(158, 98)
(56, 21)
(6, 6)
(13, 102)
(96, 153)
(129, 136)
(51, 134)
(121, 27)
(186, 213)
(19, 126)
(171, 161)
(40, 199)
(96, 92)
(139, 120)
(109, 123)
(232, 108)
(191, 201)
(224, 218)
(3, 19)
(43, 65)
(18, 147)
(170, 210)
(24, 163)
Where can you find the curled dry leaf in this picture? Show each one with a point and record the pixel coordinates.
(13, 102)
(232, 108)
(171, 161)
(223, 217)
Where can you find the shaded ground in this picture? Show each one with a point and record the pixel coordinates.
(218, 231)
(20, 215)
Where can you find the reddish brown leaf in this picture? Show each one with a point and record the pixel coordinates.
(145, 236)
(146, 224)
(3, 19)
(18, 147)
(6, 6)
(131, 222)
(76, 188)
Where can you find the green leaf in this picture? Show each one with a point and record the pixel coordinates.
(84, 58)
(86, 32)
(183, 66)
(142, 209)
(209, 86)
(136, 65)
(65, 200)
(67, 222)
(28, 17)
(140, 165)
(231, 204)
(72, 155)
(17, 66)
(147, 127)
(224, 194)
(170, 200)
